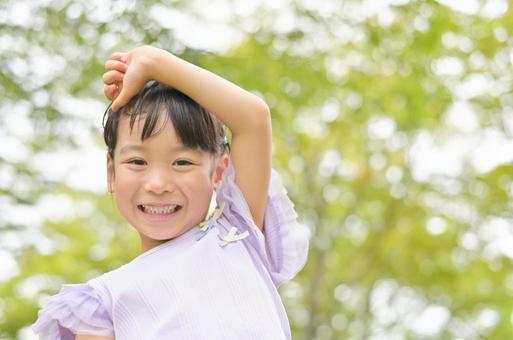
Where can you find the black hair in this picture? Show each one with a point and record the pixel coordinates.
(193, 124)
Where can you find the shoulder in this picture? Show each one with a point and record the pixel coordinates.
(282, 246)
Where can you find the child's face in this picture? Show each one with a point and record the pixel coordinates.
(161, 187)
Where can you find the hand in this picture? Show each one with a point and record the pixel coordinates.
(127, 73)
(115, 69)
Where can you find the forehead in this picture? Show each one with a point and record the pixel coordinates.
(162, 141)
(163, 123)
(163, 131)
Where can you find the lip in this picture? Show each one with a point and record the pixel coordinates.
(158, 204)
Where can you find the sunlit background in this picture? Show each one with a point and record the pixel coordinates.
(393, 131)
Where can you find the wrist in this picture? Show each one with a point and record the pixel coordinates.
(154, 62)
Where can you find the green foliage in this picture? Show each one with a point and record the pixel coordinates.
(388, 246)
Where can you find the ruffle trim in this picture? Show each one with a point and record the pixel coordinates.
(283, 247)
(76, 309)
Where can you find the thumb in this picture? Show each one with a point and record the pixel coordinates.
(120, 101)
(132, 84)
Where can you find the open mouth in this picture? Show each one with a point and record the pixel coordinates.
(160, 210)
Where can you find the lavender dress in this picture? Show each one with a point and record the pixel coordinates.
(216, 281)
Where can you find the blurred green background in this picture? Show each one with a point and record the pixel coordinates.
(393, 124)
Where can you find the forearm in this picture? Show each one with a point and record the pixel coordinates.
(240, 110)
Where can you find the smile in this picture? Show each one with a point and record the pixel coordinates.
(160, 210)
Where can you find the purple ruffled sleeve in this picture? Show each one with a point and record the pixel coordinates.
(283, 246)
(76, 309)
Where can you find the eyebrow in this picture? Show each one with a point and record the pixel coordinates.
(131, 147)
(136, 147)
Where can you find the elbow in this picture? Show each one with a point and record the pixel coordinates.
(257, 117)
(263, 113)
(264, 108)
(264, 105)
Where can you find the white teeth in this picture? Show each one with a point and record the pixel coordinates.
(167, 209)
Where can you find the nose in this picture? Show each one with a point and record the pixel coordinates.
(158, 180)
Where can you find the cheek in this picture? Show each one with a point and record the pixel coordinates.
(198, 186)
(124, 182)
(124, 175)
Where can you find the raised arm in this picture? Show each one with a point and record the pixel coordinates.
(246, 115)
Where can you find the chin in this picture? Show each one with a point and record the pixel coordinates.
(161, 235)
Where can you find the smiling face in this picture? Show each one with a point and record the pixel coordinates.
(161, 187)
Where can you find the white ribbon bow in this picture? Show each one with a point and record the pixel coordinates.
(231, 236)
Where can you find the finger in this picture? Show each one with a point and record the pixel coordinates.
(112, 77)
(120, 100)
(107, 91)
(111, 91)
(119, 56)
(115, 65)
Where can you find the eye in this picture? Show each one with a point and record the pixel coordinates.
(137, 162)
(182, 162)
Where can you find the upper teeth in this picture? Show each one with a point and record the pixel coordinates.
(167, 209)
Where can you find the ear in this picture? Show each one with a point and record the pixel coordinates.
(222, 165)
(110, 174)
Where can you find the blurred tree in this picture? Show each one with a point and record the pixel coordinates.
(392, 124)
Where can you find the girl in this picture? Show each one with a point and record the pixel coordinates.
(197, 277)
